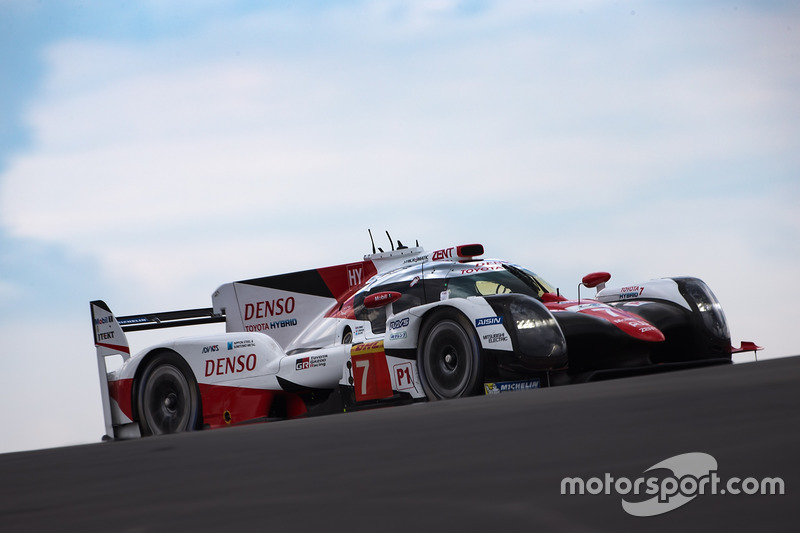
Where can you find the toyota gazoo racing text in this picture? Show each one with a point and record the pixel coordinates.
(398, 327)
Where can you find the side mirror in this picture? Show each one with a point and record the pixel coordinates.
(379, 299)
(595, 278)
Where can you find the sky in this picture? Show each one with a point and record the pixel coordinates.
(151, 151)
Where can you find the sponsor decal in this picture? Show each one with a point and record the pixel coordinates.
(414, 281)
(488, 321)
(447, 253)
(355, 274)
(367, 347)
(495, 337)
(263, 326)
(128, 321)
(630, 292)
(105, 336)
(509, 386)
(283, 323)
(267, 308)
(358, 330)
(403, 376)
(237, 345)
(582, 307)
(234, 364)
(381, 296)
(642, 326)
(103, 320)
(397, 324)
(313, 361)
(213, 348)
(691, 474)
(398, 335)
(482, 267)
(415, 260)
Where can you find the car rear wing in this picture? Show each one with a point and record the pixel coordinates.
(170, 319)
(110, 339)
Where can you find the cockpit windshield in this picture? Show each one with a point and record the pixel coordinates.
(495, 278)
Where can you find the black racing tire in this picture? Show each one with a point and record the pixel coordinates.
(167, 399)
(449, 358)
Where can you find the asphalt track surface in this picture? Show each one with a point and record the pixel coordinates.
(477, 464)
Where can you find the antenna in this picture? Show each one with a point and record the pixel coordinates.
(390, 240)
(371, 239)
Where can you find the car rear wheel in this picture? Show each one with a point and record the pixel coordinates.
(168, 400)
(449, 357)
(347, 336)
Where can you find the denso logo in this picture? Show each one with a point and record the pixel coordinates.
(230, 365)
(488, 321)
(396, 324)
(267, 308)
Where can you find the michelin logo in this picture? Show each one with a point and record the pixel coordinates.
(509, 386)
(488, 321)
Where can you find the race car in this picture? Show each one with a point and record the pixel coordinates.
(397, 327)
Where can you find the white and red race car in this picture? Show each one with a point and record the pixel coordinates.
(398, 327)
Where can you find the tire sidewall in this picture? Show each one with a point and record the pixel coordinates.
(173, 359)
(475, 362)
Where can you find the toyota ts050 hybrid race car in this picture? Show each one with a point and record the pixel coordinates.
(398, 327)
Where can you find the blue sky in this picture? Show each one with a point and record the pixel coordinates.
(151, 151)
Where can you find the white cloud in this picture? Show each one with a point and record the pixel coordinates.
(139, 146)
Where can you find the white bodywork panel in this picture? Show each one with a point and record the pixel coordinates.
(657, 289)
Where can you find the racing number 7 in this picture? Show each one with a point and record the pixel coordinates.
(363, 363)
(371, 375)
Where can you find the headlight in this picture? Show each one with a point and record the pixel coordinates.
(699, 296)
(538, 333)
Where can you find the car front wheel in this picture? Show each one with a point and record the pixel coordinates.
(449, 357)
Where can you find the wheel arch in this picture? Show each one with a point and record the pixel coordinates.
(443, 308)
(463, 306)
(420, 316)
